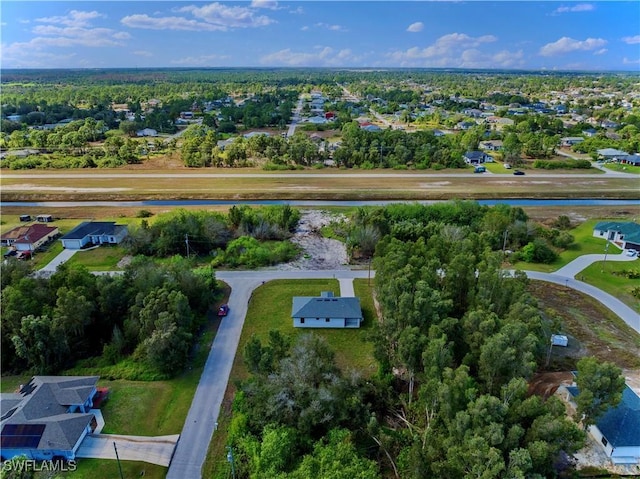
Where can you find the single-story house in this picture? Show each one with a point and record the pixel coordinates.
(571, 140)
(625, 234)
(147, 132)
(618, 430)
(371, 128)
(29, 238)
(48, 417)
(465, 125)
(317, 120)
(491, 145)
(326, 311)
(630, 160)
(94, 232)
(476, 157)
(590, 132)
(611, 153)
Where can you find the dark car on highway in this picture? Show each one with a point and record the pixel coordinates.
(518, 173)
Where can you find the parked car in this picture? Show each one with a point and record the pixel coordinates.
(507, 166)
(632, 253)
(23, 255)
(10, 252)
(479, 169)
(518, 173)
(223, 310)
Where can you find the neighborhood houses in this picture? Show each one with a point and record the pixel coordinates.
(29, 238)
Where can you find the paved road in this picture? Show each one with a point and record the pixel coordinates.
(203, 415)
(295, 119)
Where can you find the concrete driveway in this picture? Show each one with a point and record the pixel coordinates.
(63, 257)
(154, 450)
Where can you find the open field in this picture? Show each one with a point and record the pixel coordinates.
(114, 185)
(593, 330)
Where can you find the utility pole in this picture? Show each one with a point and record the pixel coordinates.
(504, 241)
(230, 459)
(606, 249)
(186, 240)
(118, 459)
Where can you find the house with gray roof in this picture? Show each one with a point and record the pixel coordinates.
(48, 417)
(611, 153)
(618, 430)
(326, 311)
(624, 234)
(94, 233)
(476, 157)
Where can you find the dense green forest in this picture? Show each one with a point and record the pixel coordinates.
(456, 342)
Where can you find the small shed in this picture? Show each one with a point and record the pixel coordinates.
(559, 340)
(25, 218)
(44, 218)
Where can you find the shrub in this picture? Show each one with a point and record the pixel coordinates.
(538, 251)
(144, 214)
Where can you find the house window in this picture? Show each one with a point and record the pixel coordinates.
(301, 320)
(604, 441)
(327, 320)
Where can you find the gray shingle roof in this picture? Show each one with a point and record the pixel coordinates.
(630, 230)
(325, 307)
(95, 228)
(45, 400)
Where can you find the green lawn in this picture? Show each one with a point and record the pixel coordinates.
(601, 275)
(97, 468)
(104, 258)
(623, 168)
(585, 243)
(270, 309)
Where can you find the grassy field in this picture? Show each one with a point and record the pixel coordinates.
(592, 328)
(601, 275)
(270, 309)
(585, 243)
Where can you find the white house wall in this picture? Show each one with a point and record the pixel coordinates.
(626, 455)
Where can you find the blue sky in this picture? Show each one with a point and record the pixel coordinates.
(570, 35)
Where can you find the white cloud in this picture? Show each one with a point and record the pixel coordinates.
(71, 31)
(566, 45)
(270, 4)
(602, 51)
(226, 16)
(415, 27)
(167, 23)
(321, 57)
(75, 18)
(333, 28)
(211, 17)
(143, 53)
(632, 40)
(297, 11)
(580, 7)
(201, 60)
(626, 61)
(445, 51)
(304, 28)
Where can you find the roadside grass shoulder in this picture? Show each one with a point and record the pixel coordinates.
(601, 275)
(93, 468)
(584, 243)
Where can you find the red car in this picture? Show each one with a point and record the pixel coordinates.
(223, 310)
